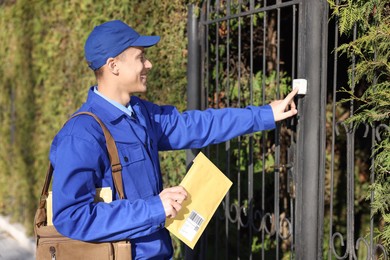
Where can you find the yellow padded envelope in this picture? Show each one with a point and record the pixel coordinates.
(206, 186)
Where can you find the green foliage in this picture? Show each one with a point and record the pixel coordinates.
(370, 49)
(351, 12)
(44, 78)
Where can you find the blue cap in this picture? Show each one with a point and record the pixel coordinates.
(110, 39)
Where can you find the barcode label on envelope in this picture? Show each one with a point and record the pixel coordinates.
(191, 225)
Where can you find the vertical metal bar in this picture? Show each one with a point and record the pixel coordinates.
(239, 138)
(263, 136)
(372, 181)
(372, 177)
(217, 90)
(217, 54)
(193, 100)
(293, 71)
(294, 35)
(322, 121)
(310, 139)
(203, 32)
(277, 140)
(227, 145)
(299, 228)
(193, 73)
(332, 161)
(250, 166)
(207, 60)
(204, 75)
(278, 54)
(350, 193)
(350, 168)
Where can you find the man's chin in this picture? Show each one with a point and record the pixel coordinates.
(143, 90)
(140, 90)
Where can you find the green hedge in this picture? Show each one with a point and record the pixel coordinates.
(44, 78)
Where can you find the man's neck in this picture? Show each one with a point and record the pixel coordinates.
(114, 94)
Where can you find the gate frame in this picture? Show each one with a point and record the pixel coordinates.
(311, 130)
(309, 169)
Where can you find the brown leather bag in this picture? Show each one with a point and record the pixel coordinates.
(50, 244)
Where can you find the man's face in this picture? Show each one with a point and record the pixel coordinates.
(133, 69)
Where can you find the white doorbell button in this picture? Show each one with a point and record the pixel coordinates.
(301, 84)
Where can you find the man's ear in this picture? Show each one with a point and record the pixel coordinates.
(112, 66)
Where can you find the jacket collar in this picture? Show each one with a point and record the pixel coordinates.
(103, 109)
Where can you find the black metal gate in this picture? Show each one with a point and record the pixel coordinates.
(247, 53)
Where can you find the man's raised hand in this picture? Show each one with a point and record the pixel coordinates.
(284, 108)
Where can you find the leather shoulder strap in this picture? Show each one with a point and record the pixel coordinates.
(116, 166)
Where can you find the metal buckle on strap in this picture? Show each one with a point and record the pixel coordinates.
(116, 167)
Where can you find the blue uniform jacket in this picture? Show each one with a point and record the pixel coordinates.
(81, 164)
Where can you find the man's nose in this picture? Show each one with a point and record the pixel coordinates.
(148, 64)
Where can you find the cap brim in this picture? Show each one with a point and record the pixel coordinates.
(146, 41)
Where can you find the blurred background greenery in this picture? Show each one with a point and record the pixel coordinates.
(44, 79)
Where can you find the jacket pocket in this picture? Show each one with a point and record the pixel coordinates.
(137, 171)
(130, 153)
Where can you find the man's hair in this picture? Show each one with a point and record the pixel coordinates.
(99, 72)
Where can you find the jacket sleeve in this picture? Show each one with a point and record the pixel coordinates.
(196, 129)
(79, 162)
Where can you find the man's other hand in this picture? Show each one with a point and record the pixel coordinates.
(172, 198)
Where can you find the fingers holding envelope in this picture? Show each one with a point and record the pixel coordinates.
(172, 198)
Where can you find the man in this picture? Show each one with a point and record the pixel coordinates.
(116, 53)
